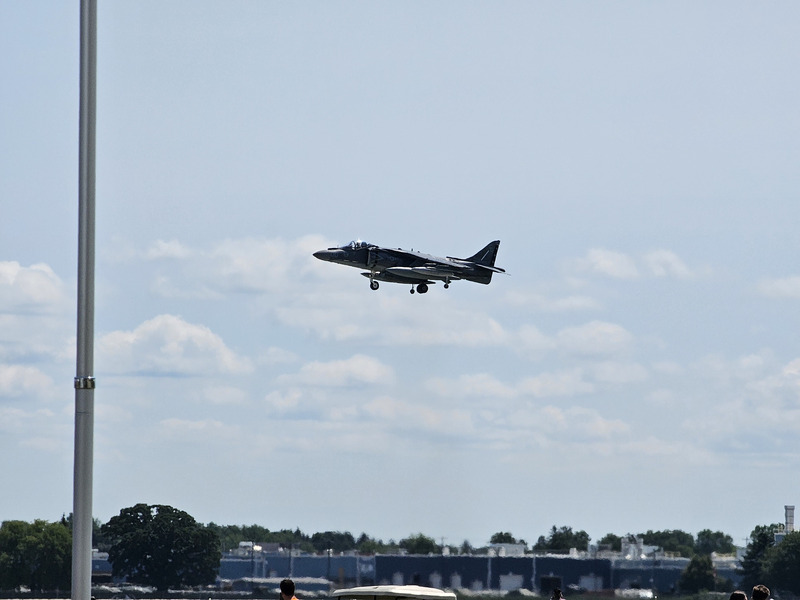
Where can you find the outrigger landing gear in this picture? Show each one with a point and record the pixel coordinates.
(447, 283)
(373, 285)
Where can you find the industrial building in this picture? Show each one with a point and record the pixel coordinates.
(592, 571)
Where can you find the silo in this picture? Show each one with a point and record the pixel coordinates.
(789, 518)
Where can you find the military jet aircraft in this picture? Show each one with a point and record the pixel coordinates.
(396, 265)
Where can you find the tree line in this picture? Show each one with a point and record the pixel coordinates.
(163, 547)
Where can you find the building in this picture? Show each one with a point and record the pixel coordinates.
(578, 571)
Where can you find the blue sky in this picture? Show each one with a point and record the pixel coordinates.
(637, 369)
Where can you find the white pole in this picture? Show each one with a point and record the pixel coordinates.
(84, 378)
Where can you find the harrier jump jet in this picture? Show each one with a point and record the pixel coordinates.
(396, 265)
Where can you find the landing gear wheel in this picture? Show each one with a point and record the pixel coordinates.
(422, 288)
(446, 285)
(374, 285)
(412, 289)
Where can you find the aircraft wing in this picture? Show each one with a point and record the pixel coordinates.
(413, 256)
(425, 272)
(399, 277)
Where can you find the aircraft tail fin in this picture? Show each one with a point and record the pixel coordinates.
(486, 256)
(484, 261)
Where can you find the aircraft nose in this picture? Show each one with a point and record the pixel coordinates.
(323, 254)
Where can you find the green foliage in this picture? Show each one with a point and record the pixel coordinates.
(762, 538)
(713, 541)
(611, 541)
(698, 575)
(333, 540)
(368, 545)
(99, 541)
(419, 544)
(781, 564)
(161, 546)
(231, 535)
(562, 539)
(37, 555)
(505, 537)
(670, 540)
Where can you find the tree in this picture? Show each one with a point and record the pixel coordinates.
(713, 541)
(505, 537)
(161, 546)
(611, 542)
(563, 539)
(37, 555)
(781, 564)
(419, 544)
(698, 575)
(670, 540)
(762, 538)
(368, 545)
(333, 540)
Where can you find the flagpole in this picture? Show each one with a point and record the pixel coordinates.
(84, 377)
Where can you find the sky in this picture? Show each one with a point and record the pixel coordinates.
(636, 368)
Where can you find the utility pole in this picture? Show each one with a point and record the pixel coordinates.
(84, 377)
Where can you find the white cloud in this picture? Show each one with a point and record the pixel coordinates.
(31, 289)
(663, 263)
(619, 372)
(754, 400)
(610, 263)
(569, 382)
(12, 418)
(786, 287)
(185, 430)
(482, 385)
(540, 302)
(792, 369)
(667, 367)
(561, 383)
(167, 344)
(595, 338)
(534, 341)
(618, 265)
(413, 416)
(235, 266)
(168, 249)
(354, 371)
(225, 395)
(260, 264)
(284, 400)
(444, 325)
(392, 319)
(589, 423)
(20, 380)
(276, 356)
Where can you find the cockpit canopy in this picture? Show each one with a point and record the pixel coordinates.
(354, 245)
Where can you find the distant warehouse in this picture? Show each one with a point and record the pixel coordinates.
(591, 572)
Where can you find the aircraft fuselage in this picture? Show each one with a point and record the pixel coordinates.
(396, 265)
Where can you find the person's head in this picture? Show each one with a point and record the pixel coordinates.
(738, 595)
(760, 592)
(287, 589)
